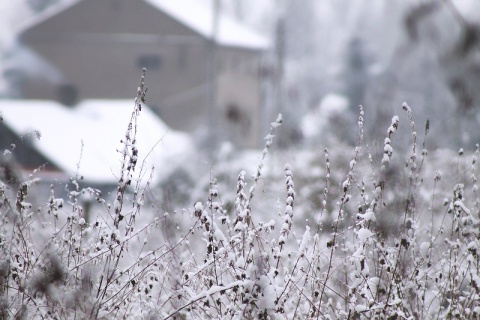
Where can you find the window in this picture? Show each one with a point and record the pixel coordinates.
(149, 61)
(67, 94)
(233, 113)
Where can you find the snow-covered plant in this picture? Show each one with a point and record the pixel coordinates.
(325, 253)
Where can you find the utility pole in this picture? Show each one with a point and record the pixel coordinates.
(280, 47)
(213, 123)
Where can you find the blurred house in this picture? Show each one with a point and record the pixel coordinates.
(82, 141)
(94, 49)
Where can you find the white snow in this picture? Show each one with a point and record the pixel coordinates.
(198, 206)
(12, 14)
(100, 125)
(29, 22)
(460, 204)
(315, 120)
(199, 17)
(363, 235)
(36, 66)
(195, 15)
(305, 240)
(424, 246)
(368, 216)
(466, 8)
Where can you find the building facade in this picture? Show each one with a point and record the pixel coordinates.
(202, 67)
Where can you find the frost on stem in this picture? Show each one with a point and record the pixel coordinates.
(241, 211)
(394, 126)
(268, 143)
(325, 189)
(287, 221)
(215, 237)
(413, 156)
(387, 148)
(54, 204)
(22, 192)
(406, 108)
(21, 195)
(129, 152)
(361, 123)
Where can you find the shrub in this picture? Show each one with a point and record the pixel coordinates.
(375, 241)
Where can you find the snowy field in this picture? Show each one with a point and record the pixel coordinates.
(339, 233)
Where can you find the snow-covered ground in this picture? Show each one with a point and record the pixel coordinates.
(322, 235)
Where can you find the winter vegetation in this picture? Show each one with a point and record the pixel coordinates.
(339, 233)
(348, 212)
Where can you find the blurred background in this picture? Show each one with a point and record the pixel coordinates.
(221, 70)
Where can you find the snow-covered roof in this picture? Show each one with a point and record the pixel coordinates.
(199, 17)
(100, 125)
(194, 14)
(45, 15)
